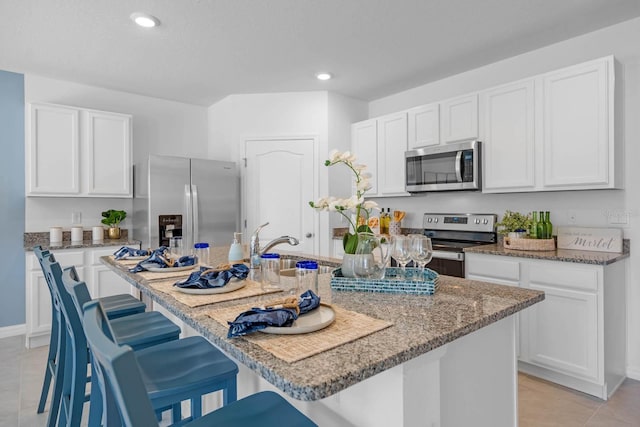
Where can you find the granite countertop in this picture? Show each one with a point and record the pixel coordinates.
(420, 324)
(42, 239)
(564, 255)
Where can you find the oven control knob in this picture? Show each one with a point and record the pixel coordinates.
(485, 221)
(435, 220)
(477, 221)
(429, 219)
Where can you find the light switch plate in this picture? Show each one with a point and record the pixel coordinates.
(76, 217)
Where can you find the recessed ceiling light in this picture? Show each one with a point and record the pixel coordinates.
(145, 20)
(323, 76)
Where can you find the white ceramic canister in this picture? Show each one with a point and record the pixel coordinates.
(97, 234)
(76, 234)
(55, 235)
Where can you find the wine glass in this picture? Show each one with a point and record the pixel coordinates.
(421, 252)
(400, 251)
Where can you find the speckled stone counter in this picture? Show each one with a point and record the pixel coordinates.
(420, 325)
(565, 255)
(42, 239)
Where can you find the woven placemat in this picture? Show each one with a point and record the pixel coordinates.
(348, 326)
(251, 289)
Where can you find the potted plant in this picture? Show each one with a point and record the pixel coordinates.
(514, 222)
(112, 219)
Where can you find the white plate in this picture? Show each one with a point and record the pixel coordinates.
(315, 320)
(170, 269)
(233, 285)
(136, 258)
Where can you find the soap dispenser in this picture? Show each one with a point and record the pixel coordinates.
(236, 253)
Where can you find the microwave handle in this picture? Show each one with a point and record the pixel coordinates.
(459, 166)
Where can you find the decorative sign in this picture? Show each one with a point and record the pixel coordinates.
(590, 239)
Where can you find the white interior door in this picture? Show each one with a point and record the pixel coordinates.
(279, 183)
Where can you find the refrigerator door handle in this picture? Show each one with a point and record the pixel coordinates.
(194, 206)
(186, 225)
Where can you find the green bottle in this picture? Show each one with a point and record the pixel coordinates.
(548, 226)
(533, 231)
(541, 228)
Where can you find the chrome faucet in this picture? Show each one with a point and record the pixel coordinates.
(254, 245)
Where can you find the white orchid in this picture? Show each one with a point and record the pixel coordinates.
(355, 203)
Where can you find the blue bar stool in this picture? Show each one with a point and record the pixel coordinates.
(140, 330)
(115, 306)
(120, 375)
(175, 371)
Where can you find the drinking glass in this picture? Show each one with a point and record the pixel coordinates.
(421, 252)
(400, 251)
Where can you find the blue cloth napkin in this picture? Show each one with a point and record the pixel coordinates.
(126, 252)
(259, 318)
(157, 260)
(207, 279)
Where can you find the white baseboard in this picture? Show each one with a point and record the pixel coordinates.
(13, 330)
(633, 372)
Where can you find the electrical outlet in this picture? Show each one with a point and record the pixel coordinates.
(76, 217)
(618, 217)
(571, 217)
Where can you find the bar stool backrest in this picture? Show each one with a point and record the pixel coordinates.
(117, 369)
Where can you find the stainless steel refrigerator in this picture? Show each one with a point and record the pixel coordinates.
(196, 199)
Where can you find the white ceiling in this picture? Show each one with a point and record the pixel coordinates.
(205, 50)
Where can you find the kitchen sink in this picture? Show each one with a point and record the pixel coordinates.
(288, 267)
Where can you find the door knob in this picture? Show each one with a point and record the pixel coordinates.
(308, 235)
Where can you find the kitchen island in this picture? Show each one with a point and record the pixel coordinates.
(447, 359)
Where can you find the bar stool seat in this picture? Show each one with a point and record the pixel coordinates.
(121, 375)
(121, 305)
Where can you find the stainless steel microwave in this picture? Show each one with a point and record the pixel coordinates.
(450, 167)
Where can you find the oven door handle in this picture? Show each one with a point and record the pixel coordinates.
(459, 166)
(454, 256)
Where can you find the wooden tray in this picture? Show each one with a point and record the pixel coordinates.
(530, 244)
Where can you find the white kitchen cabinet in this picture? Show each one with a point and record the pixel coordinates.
(392, 144)
(579, 149)
(380, 144)
(459, 118)
(77, 152)
(576, 336)
(100, 282)
(554, 131)
(364, 145)
(508, 140)
(423, 126)
(53, 150)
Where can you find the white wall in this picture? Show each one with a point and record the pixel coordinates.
(159, 126)
(590, 207)
(292, 114)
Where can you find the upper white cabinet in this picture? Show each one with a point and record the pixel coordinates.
(459, 120)
(423, 126)
(364, 145)
(552, 132)
(578, 126)
(509, 137)
(77, 152)
(380, 144)
(53, 150)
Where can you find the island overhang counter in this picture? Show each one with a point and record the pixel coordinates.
(447, 359)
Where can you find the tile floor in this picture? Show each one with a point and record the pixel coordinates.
(542, 404)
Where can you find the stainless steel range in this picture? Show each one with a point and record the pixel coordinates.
(451, 233)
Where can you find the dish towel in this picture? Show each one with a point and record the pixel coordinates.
(208, 278)
(280, 315)
(160, 259)
(126, 252)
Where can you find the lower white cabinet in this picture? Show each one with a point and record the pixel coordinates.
(100, 281)
(576, 336)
